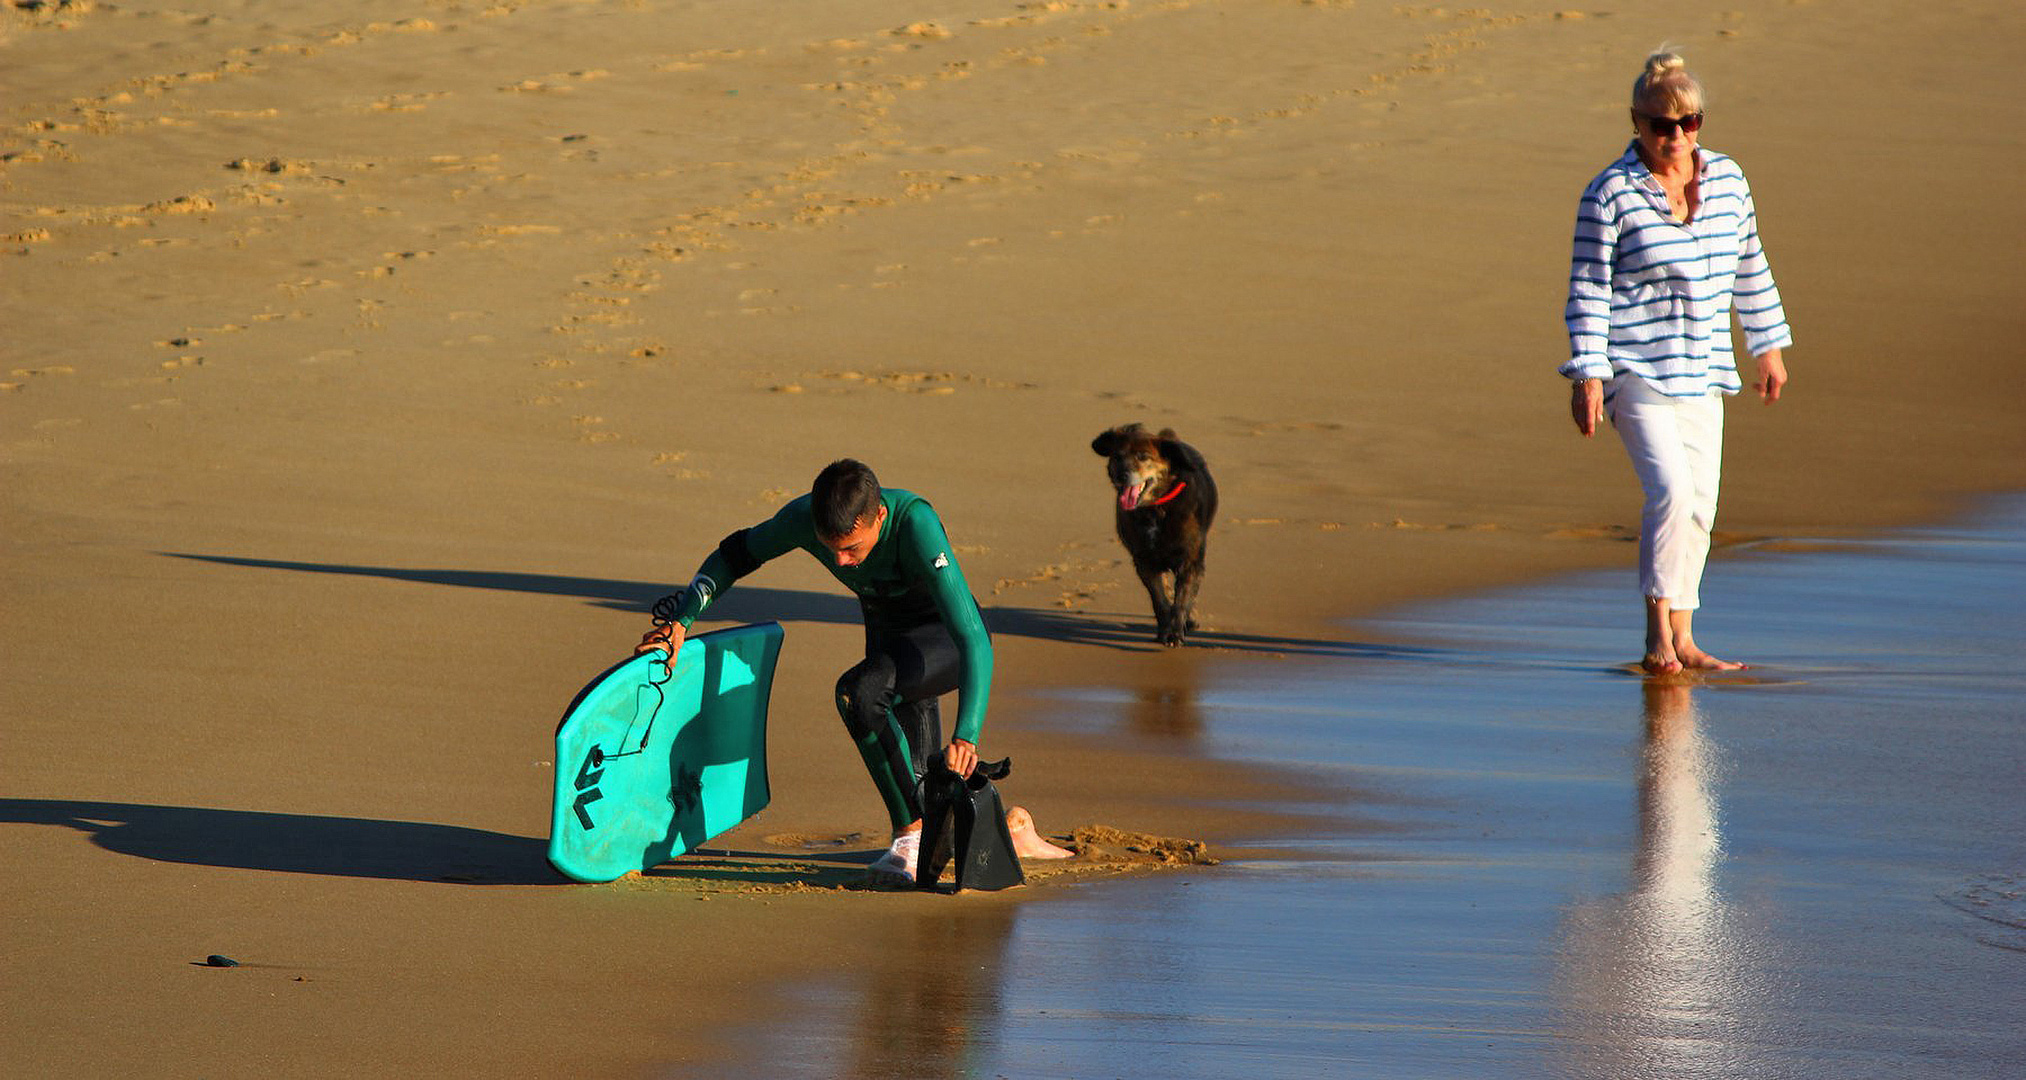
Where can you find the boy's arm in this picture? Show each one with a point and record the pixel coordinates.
(929, 554)
(737, 555)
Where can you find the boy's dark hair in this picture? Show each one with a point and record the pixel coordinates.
(845, 493)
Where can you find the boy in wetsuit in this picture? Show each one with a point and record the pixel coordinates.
(924, 636)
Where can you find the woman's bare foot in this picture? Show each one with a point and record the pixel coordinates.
(1695, 659)
(1660, 655)
(1028, 843)
(1681, 630)
(1660, 663)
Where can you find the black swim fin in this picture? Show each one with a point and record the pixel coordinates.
(964, 821)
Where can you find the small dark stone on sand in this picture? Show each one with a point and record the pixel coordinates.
(215, 960)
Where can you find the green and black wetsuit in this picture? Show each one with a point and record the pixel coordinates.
(924, 635)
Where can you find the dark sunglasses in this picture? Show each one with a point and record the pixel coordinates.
(1664, 126)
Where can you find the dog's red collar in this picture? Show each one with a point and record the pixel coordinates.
(1169, 497)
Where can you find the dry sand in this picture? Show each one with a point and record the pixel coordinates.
(367, 369)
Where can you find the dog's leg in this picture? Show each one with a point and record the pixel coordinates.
(1182, 617)
(1174, 622)
(1157, 591)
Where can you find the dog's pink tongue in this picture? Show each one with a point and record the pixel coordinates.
(1130, 497)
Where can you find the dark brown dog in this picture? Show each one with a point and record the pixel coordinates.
(1166, 503)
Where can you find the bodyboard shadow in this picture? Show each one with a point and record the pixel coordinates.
(654, 759)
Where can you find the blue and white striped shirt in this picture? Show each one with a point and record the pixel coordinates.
(1652, 297)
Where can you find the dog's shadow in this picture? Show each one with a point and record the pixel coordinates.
(751, 603)
(1137, 635)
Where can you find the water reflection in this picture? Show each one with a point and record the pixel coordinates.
(1166, 712)
(939, 1017)
(1656, 982)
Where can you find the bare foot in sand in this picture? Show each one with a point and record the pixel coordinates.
(1028, 843)
(1660, 664)
(1660, 656)
(1695, 659)
(1681, 625)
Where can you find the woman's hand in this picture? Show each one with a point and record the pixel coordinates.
(1586, 403)
(1772, 376)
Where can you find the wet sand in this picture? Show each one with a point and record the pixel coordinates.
(1813, 868)
(367, 372)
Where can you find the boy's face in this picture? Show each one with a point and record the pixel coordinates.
(852, 548)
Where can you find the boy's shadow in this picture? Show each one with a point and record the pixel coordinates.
(297, 843)
(759, 603)
(393, 850)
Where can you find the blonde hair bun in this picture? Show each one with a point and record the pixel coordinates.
(1666, 84)
(1662, 64)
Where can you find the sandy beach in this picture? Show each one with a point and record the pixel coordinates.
(365, 372)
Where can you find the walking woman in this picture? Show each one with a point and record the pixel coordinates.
(1667, 247)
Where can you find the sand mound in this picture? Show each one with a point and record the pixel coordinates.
(1104, 844)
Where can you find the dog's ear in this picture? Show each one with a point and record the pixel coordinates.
(1180, 455)
(1104, 444)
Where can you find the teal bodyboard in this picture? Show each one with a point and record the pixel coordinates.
(653, 760)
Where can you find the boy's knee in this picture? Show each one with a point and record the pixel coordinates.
(861, 698)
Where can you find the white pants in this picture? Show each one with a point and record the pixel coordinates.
(1676, 445)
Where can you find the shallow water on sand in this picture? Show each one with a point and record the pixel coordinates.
(1813, 869)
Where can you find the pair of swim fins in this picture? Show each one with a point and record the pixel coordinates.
(964, 822)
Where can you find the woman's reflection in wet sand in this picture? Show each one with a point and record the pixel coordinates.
(1655, 982)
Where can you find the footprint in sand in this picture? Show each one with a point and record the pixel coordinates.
(1448, 526)
(927, 31)
(273, 166)
(329, 356)
(406, 103)
(181, 204)
(1074, 598)
(1265, 427)
(402, 26)
(1594, 532)
(915, 382)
